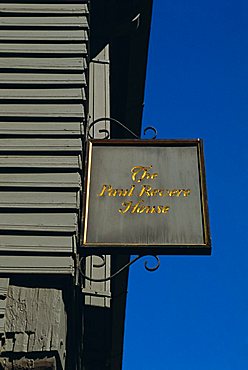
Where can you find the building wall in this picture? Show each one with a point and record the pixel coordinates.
(43, 112)
(49, 317)
(98, 293)
(43, 79)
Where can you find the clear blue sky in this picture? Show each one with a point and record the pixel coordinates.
(192, 314)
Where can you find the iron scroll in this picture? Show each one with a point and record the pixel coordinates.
(81, 265)
(115, 121)
(81, 261)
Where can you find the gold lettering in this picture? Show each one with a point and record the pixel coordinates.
(122, 192)
(153, 209)
(112, 192)
(140, 173)
(108, 190)
(136, 207)
(172, 193)
(145, 189)
(165, 209)
(159, 209)
(127, 206)
(186, 193)
(104, 188)
(179, 192)
(154, 175)
(154, 192)
(130, 193)
(150, 192)
(147, 209)
(143, 208)
(139, 170)
(140, 208)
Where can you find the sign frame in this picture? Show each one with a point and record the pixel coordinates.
(141, 249)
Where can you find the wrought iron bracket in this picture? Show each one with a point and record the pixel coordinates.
(81, 260)
(153, 129)
(115, 121)
(81, 266)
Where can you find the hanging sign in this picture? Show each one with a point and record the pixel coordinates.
(146, 197)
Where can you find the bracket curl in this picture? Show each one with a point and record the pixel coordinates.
(115, 121)
(105, 131)
(153, 129)
(81, 265)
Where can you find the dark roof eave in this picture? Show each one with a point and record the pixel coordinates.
(127, 106)
(113, 23)
(128, 73)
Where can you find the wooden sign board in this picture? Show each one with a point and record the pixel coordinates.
(146, 197)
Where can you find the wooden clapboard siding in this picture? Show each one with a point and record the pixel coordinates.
(39, 222)
(40, 180)
(44, 21)
(40, 63)
(47, 79)
(40, 128)
(36, 163)
(42, 110)
(43, 264)
(46, 8)
(43, 91)
(37, 144)
(80, 35)
(39, 200)
(45, 48)
(75, 94)
(40, 243)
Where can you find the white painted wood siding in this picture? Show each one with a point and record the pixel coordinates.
(98, 293)
(43, 91)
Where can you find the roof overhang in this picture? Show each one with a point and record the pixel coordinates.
(125, 26)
